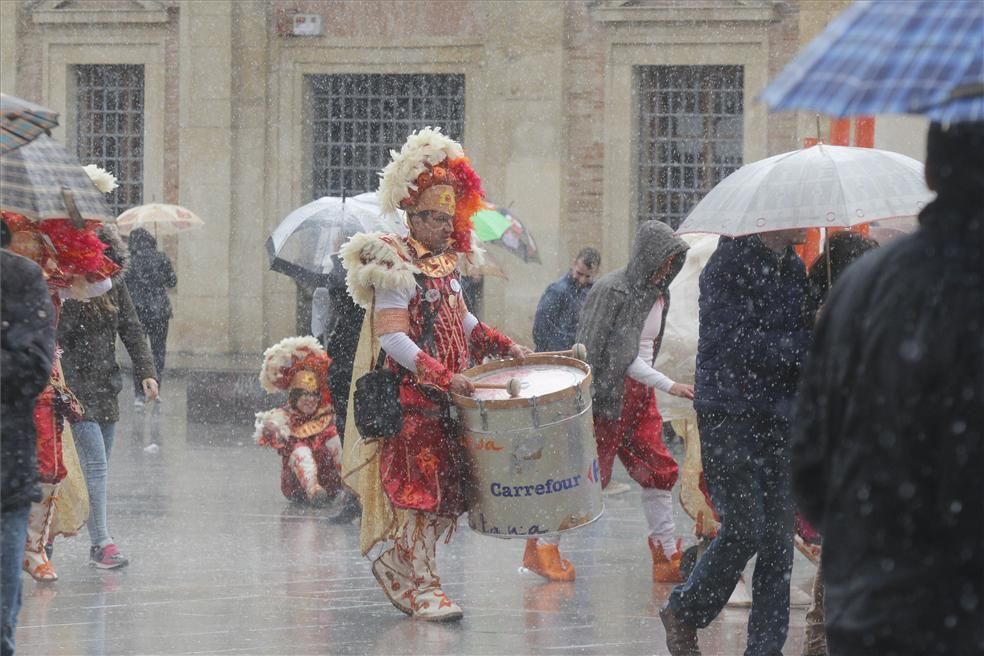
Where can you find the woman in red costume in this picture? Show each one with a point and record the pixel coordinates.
(412, 289)
(302, 430)
(74, 265)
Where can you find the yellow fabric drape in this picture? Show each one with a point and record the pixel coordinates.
(691, 497)
(360, 459)
(72, 508)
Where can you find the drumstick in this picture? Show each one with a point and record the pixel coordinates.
(578, 352)
(513, 386)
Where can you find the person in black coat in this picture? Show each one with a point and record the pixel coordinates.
(888, 446)
(340, 336)
(148, 278)
(756, 318)
(28, 341)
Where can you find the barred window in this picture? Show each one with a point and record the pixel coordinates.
(357, 119)
(689, 138)
(109, 110)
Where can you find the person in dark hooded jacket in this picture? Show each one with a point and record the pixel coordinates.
(888, 447)
(621, 327)
(28, 341)
(756, 318)
(148, 278)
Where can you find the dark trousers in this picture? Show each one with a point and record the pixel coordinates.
(157, 334)
(14, 537)
(747, 470)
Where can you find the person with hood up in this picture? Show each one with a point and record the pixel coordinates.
(87, 333)
(148, 278)
(621, 327)
(888, 441)
(756, 318)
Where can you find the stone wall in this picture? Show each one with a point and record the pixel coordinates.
(549, 120)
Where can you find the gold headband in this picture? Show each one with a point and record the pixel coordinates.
(438, 198)
(304, 380)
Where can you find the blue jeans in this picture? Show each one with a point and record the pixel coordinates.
(14, 529)
(747, 470)
(94, 442)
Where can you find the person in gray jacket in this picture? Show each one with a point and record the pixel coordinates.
(622, 327)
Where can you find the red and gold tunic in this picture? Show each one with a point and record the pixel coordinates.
(424, 467)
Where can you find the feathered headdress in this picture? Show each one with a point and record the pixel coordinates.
(103, 179)
(64, 251)
(430, 158)
(295, 362)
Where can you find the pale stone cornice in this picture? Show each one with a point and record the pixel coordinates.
(61, 12)
(686, 11)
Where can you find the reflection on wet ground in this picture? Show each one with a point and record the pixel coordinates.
(221, 563)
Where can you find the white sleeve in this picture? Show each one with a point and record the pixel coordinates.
(393, 299)
(646, 375)
(398, 346)
(401, 348)
(470, 322)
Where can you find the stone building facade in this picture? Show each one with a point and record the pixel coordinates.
(582, 116)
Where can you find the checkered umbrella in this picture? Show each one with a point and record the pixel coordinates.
(914, 57)
(42, 180)
(23, 122)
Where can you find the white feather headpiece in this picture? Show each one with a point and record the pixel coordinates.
(103, 179)
(422, 148)
(285, 354)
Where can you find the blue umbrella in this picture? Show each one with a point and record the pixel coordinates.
(920, 57)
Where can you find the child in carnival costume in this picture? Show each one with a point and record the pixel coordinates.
(74, 265)
(303, 430)
(412, 485)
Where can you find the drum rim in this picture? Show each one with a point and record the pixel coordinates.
(527, 402)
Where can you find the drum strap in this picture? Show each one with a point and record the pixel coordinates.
(430, 311)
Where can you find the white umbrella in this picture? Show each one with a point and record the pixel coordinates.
(303, 244)
(159, 218)
(818, 187)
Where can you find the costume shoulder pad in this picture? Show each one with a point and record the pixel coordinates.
(379, 260)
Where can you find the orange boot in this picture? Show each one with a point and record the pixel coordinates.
(545, 560)
(666, 570)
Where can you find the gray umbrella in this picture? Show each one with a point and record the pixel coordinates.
(42, 180)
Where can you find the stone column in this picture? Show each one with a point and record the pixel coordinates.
(205, 185)
(8, 47)
(250, 172)
(525, 137)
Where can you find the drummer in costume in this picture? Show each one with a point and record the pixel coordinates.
(302, 430)
(411, 287)
(621, 327)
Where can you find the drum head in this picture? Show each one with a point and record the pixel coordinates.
(539, 376)
(534, 380)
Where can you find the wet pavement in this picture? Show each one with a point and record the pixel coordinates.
(221, 563)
